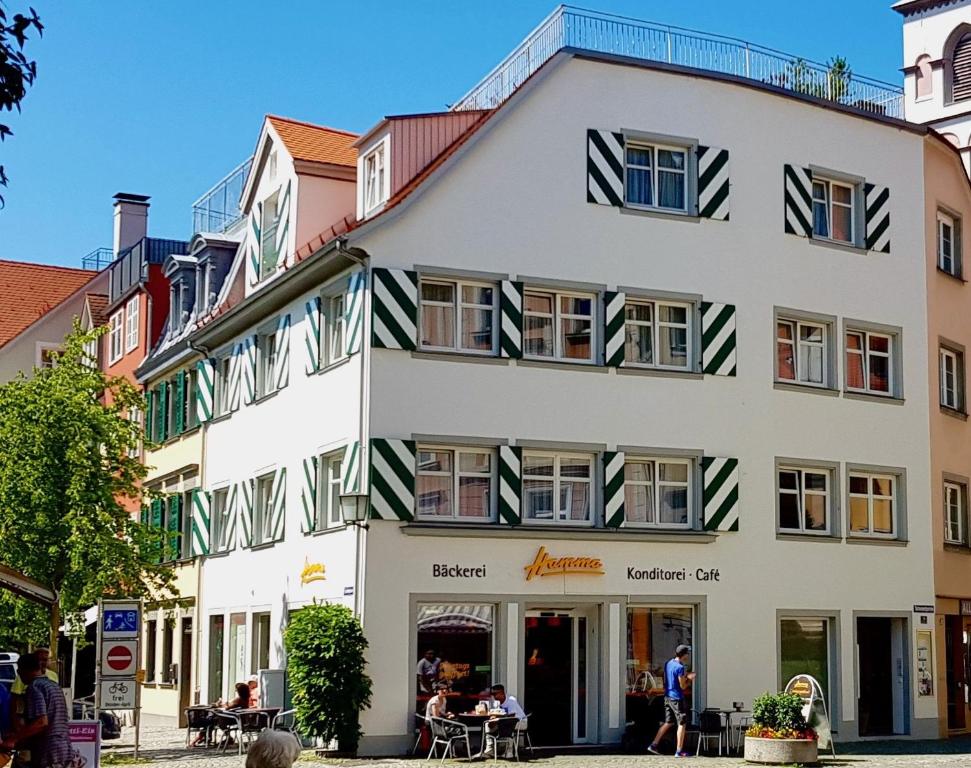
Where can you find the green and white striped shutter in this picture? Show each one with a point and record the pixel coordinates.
(798, 200)
(247, 490)
(254, 246)
(510, 484)
(235, 376)
(720, 492)
(179, 402)
(308, 495)
(283, 227)
(605, 167)
(395, 309)
(281, 365)
(718, 338)
(248, 372)
(351, 481)
(392, 478)
(713, 183)
(232, 514)
(511, 319)
(205, 389)
(613, 488)
(354, 312)
(614, 328)
(311, 334)
(201, 522)
(278, 495)
(877, 218)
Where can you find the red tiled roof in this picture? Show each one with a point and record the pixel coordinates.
(97, 303)
(28, 291)
(316, 143)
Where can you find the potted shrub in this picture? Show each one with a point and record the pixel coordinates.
(779, 734)
(325, 671)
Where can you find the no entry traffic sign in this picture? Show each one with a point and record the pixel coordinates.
(118, 658)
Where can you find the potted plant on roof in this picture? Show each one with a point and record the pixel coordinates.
(779, 734)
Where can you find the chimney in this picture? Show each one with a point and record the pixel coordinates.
(131, 220)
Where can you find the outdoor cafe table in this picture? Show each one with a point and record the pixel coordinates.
(474, 720)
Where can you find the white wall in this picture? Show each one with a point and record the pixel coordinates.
(514, 203)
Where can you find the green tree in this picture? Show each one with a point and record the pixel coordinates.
(17, 72)
(69, 468)
(325, 669)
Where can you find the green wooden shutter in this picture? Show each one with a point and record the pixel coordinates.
(155, 520)
(161, 424)
(174, 527)
(613, 463)
(150, 415)
(178, 402)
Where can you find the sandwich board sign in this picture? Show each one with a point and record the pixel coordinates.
(810, 691)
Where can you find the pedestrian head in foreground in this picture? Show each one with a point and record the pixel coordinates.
(273, 749)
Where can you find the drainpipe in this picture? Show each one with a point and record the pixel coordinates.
(359, 256)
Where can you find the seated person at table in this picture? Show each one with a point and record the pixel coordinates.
(436, 704)
(507, 704)
(243, 698)
(254, 690)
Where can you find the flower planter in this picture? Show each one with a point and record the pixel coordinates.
(781, 751)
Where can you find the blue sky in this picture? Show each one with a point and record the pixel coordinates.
(164, 98)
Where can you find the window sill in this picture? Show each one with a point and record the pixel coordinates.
(331, 366)
(220, 417)
(264, 397)
(953, 546)
(325, 531)
(792, 386)
(888, 399)
(837, 245)
(498, 531)
(263, 545)
(460, 357)
(562, 365)
(664, 373)
(659, 213)
(954, 413)
(874, 540)
(224, 553)
(951, 276)
(821, 538)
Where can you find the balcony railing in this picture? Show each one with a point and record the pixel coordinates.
(569, 27)
(98, 259)
(218, 209)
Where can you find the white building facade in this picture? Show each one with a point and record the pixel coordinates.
(621, 365)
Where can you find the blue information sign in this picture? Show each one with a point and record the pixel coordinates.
(120, 621)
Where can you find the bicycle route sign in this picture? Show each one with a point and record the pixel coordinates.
(118, 694)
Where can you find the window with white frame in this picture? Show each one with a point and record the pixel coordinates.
(263, 509)
(948, 244)
(333, 337)
(869, 362)
(834, 210)
(804, 500)
(955, 516)
(873, 505)
(91, 351)
(329, 489)
(456, 483)
(656, 176)
(131, 324)
(221, 520)
(224, 366)
(557, 488)
(657, 492)
(952, 378)
(115, 337)
(559, 326)
(47, 355)
(802, 352)
(375, 182)
(658, 334)
(458, 316)
(269, 225)
(266, 358)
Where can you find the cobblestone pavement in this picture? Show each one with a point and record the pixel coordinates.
(166, 746)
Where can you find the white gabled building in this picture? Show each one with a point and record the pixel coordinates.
(643, 362)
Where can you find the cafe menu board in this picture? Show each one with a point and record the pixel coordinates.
(925, 664)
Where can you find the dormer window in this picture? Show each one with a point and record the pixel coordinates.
(375, 179)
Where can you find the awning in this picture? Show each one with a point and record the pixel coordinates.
(455, 618)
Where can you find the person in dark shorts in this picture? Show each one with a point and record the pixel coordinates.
(46, 728)
(677, 681)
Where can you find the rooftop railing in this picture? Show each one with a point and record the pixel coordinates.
(569, 27)
(218, 209)
(98, 259)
